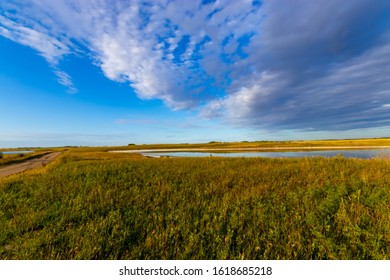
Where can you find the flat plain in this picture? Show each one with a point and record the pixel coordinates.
(92, 204)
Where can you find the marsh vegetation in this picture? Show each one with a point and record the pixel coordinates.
(90, 204)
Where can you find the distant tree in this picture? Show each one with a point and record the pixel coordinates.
(131, 144)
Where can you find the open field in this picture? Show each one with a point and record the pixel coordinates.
(91, 204)
(265, 145)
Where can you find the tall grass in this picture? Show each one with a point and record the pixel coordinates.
(104, 206)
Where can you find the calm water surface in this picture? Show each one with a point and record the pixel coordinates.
(15, 152)
(369, 153)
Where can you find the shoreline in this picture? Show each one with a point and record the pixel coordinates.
(285, 149)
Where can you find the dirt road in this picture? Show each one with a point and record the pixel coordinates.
(29, 164)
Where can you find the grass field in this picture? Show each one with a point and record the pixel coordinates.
(264, 144)
(90, 204)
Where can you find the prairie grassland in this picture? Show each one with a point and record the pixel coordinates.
(98, 205)
(264, 144)
(369, 142)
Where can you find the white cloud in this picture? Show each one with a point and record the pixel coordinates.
(50, 48)
(282, 65)
(47, 46)
(352, 94)
(136, 42)
(64, 79)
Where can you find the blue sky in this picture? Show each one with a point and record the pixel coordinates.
(116, 72)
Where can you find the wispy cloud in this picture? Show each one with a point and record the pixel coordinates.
(64, 79)
(318, 66)
(321, 65)
(50, 48)
(40, 39)
(135, 121)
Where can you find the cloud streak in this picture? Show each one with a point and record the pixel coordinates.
(39, 39)
(276, 65)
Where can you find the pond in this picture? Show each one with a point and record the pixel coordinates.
(15, 152)
(365, 154)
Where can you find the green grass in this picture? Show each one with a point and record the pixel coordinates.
(97, 205)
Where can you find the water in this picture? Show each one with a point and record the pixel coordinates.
(15, 152)
(365, 154)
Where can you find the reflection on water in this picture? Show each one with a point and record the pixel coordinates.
(369, 153)
(15, 152)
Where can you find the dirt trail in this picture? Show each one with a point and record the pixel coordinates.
(29, 164)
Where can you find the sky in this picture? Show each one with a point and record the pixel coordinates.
(115, 72)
